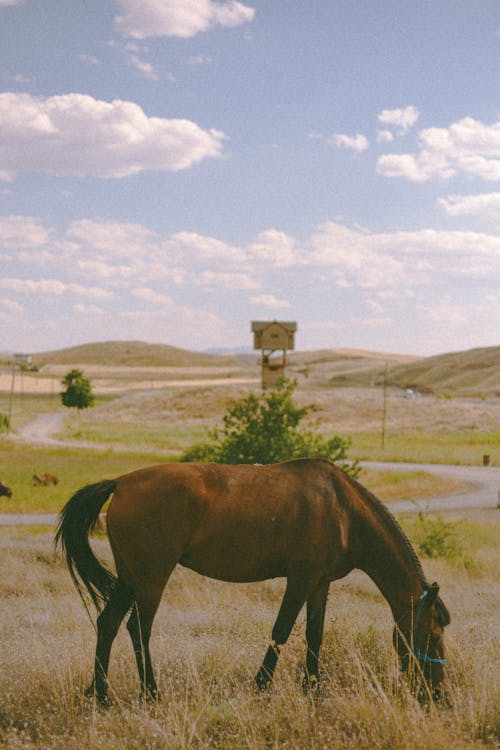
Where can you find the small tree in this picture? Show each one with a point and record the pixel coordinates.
(78, 393)
(264, 429)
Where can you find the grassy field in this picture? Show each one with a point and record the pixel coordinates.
(208, 640)
(74, 468)
(77, 467)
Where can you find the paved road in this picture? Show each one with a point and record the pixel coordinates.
(483, 490)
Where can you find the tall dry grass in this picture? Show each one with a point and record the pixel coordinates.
(208, 640)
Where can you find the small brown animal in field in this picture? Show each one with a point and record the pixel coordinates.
(4, 490)
(44, 479)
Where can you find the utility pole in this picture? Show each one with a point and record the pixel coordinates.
(384, 409)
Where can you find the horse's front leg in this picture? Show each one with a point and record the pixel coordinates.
(296, 593)
(316, 607)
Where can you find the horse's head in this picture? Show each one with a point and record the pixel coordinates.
(4, 490)
(419, 641)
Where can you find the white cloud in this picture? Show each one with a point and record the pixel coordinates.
(88, 309)
(403, 119)
(181, 18)
(21, 232)
(384, 136)
(467, 146)
(4, 3)
(275, 247)
(352, 143)
(401, 261)
(231, 281)
(269, 301)
(147, 69)
(485, 206)
(149, 295)
(189, 245)
(77, 134)
(112, 238)
(52, 287)
(199, 59)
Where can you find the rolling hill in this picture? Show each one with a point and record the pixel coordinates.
(471, 372)
(131, 354)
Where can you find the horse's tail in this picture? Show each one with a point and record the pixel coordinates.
(77, 520)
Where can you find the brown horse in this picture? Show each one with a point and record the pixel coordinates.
(304, 520)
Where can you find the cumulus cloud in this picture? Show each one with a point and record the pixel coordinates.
(468, 146)
(399, 261)
(190, 245)
(52, 287)
(275, 247)
(149, 295)
(269, 301)
(384, 136)
(232, 281)
(357, 142)
(21, 232)
(485, 206)
(403, 119)
(147, 69)
(181, 18)
(77, 134)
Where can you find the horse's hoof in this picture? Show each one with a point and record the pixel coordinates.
(263, 680)
(310, 684)
(101, 699)
(151, 696)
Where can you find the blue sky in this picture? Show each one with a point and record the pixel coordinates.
(171, 170)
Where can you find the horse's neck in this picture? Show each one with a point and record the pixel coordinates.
(387, 557)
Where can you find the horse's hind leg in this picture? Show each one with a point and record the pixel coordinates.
(139, 626)
(296, 593)
(108, 623)
(316, 607)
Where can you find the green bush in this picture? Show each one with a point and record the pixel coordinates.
(437, 538)
(263, 429)
(4, 422)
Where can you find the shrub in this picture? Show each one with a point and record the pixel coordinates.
(264, 428)
(437, 538)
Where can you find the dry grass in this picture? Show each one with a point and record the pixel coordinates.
(208, 640)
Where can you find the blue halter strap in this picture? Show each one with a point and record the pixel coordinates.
(422, 657)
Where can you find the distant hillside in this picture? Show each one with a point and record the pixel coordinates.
(472, 371)
(131, 354)
(476, 371)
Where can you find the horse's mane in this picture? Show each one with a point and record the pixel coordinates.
(385, 514)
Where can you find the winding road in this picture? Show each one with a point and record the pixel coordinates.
(482, 482)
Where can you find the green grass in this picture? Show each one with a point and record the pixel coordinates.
(175, 435)
(26, 407)
(74, 467)
(467, 448)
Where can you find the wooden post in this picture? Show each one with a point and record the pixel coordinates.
(384, 409)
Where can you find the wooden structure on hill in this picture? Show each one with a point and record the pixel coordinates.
(272, 337)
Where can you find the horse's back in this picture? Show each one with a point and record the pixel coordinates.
(237, 523)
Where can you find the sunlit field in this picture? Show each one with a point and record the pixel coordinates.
(208, 640)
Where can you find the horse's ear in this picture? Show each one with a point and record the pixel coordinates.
(442, 614)
(432, 593)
